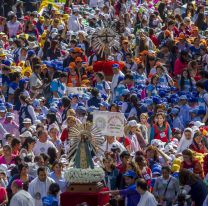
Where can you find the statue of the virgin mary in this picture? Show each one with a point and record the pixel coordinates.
(85, 140)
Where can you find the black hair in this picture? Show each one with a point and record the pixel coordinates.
(14, 142)
(182, 82)
(100, 75)
(129, 76)
(28, 141)
(54, 189)
(200, 84)
(21, 166)
(65, 102)
(124, 154)
(167, 168)
(94, 92)
(44, 156)
(41, 169)
(142, 184)
(52, 155)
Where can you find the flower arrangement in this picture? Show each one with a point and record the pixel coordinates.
(83, 176)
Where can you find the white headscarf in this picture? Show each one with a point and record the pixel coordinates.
(185, 143)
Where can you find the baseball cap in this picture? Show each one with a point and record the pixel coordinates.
(198, 124)
(130, 173)
(183, 97)
(115, 66)
(27, 120)
(132, 123)
(2, 109)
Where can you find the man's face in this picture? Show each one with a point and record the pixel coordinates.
(64, 80)
(42, 176)
(43, 137)
(129, 180)
(115, 70)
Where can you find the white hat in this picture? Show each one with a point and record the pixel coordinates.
(27, 120)
(26, 134)
(60, 27)
(54, 30)
(198, 124)
(53, 35)
(132, 123)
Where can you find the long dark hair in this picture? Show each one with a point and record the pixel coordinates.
(187, 178)
(28, 141)
(200, 21)
(182, 82)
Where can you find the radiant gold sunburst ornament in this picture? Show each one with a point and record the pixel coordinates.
(86, 140)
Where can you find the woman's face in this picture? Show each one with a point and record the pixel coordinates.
(185, 74)
(57, 168)
(24, 171)
(31, 145)
(71, 123)
(160, 119)
(150, 154)
(198, 139)
(53, 132)
(107, 163)
(143, 120)
(186, 158)
(133, 129)
(114, 109)
(159, 70)
(7, 151)
(155, 80)
(188, 135)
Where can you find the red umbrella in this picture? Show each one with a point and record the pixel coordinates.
(106, 67)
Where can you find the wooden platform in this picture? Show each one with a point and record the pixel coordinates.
(93, 187)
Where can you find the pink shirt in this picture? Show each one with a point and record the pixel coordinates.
(3, 193)
(3, 161)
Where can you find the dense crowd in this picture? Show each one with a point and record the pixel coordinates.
(156, 75)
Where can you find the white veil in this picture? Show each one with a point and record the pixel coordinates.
(185, 143)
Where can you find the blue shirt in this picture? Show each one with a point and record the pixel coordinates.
(152, 89)
(184, 114)
(57, 86)
(177, 123)
(50, 200)
(61, 182)
(131, 195)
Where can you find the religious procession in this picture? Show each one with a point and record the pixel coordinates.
(103, 103)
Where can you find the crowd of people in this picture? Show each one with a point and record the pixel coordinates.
(158, 78)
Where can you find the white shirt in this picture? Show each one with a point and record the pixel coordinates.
(13, 28)
(39, 189)
(22, 198)
(147, 199)
(73, 24)
(42, 147)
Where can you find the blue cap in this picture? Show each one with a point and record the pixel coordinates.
(81, 109)
(30, 53)
(195, 111)
(23, 81)
(75, 96)
(156, 170)
(104, 97)
(53, 109)
(115, 66)
(104, 104)
(6, 62)
(174, 111)
(183, 97)
(125, 92)
(130, 173)
(2, 109)
(41, 117)
(9, 105)
(92, 109)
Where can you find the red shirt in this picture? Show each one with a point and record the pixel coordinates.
(179, 67)
(3, 194)
(64, 135)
